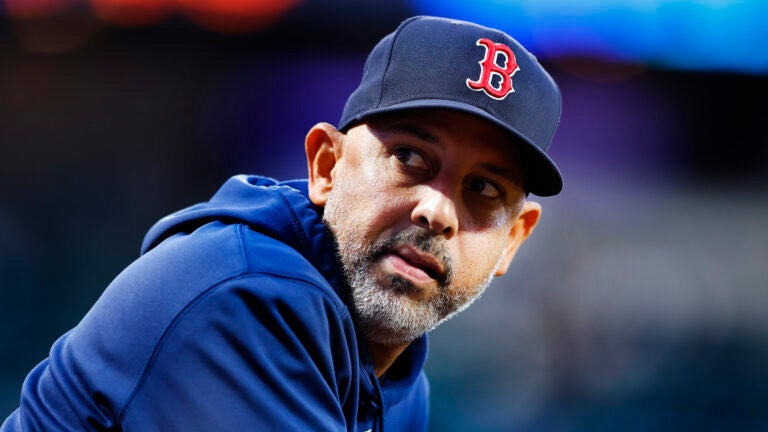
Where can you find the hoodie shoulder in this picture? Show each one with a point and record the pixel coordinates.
(185, 302)
(264, 209)
(251, 200)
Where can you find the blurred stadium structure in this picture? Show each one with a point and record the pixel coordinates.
(639, 304)
(723, 35)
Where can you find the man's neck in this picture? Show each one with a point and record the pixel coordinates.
(384, 356)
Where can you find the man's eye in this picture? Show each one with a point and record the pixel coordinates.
(484, 188)
(410, 158)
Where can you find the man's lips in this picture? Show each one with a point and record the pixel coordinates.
(415, 263)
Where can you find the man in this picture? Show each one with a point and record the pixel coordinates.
(305, 305)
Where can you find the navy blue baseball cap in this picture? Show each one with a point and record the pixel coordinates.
(432, 62)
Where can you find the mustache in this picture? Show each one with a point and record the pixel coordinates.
(423, 240)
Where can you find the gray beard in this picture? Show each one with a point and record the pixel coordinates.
(385, 314)
(387, 317)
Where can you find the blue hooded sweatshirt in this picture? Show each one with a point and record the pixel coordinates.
(235, 318)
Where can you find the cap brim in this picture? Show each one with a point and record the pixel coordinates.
(542, 177)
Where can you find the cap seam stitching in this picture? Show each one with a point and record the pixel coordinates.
(389, 59)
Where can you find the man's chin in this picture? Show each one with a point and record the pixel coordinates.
(385, 336)
(390, 316)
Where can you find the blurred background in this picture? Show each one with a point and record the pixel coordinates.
(641, 301)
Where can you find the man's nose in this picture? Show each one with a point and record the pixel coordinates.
(437, 212)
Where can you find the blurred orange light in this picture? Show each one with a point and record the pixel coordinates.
(36, 8)
(133, 12)
(236, 16)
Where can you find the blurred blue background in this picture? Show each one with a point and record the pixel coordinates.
(640, 302)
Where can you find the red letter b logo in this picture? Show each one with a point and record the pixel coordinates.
(490, 69)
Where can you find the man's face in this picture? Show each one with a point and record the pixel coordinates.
(423, 206)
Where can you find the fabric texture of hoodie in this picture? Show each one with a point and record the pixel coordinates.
(234, 318)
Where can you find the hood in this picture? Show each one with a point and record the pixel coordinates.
(280, 210)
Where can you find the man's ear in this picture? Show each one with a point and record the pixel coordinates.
(323, 147)
(520, 231)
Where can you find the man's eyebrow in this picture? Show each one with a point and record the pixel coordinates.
(411, 129)
(507, 173)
